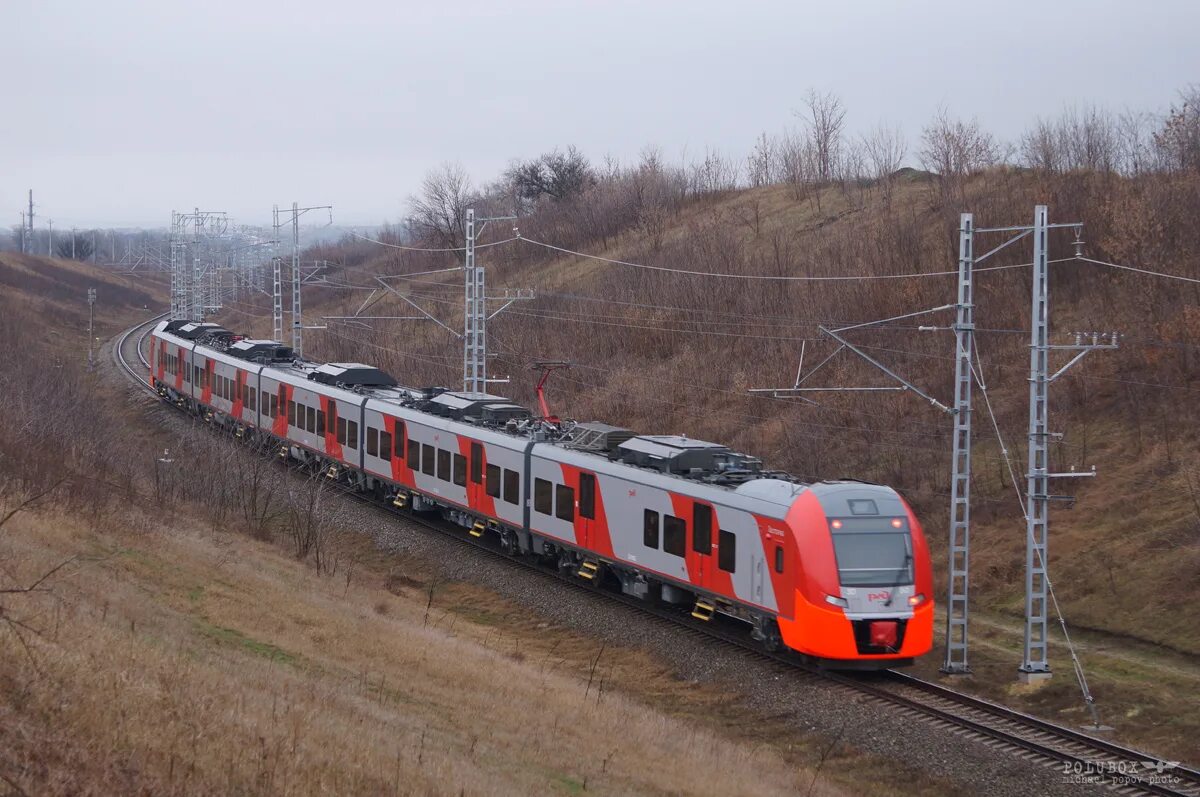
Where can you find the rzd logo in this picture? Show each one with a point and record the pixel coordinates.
(879, 596)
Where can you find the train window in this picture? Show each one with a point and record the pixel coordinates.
(351, 434)
(321, 422)
(274, 406)
(512, 486)
(312, 419)
(399, 439)
(674, 535)
(266, 403)
(460, 470)
(702, 528)
(543, 497)
(587, 496)
(414, 455)
(726, 550)
(428, 467)
(341, 431)
(778, 558)
(650, 529)
(564, 500)
(291, 413)
(443, 465)
(476, 463)
(372, 441)
(862, 506)
(385, 445)
(493, 481)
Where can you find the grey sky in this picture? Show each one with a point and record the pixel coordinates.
(117, 112)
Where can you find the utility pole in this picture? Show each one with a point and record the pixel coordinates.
(91, 295)
(475, 315)
(475, 320)
(297, 318)
(30, 219)
(179, 304)
(1035, 665)
(277, 290)
(73, 237)
(50, 248)
(197, 291)
(297, 311)
(957, 604)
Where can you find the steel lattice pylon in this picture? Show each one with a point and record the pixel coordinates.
(960, 481)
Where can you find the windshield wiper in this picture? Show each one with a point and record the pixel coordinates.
(902, 570)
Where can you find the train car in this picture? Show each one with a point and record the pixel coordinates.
(836, 571)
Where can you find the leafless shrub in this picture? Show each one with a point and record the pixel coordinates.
(884, 148)
(439, 212)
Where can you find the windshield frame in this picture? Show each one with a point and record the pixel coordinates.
(901, 573)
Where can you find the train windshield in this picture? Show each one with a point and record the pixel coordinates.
(873, 559)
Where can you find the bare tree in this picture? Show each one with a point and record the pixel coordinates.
(1178, 141)
(884, 148)
(1040, 147)
(714, 174)
(825, 119)
(76, 245)
(761, 162)
(795, 163)
(955, 148)
(439, 212)
(1134, 142)
(557, 175)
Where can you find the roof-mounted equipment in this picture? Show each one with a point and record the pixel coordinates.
(351, 376)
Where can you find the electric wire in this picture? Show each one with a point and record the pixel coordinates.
(764, 277)
(1136, 270)
(432, 249)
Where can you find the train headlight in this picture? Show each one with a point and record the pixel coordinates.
(916, 600)
(836, 601)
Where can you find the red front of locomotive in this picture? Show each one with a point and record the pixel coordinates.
(864, 584)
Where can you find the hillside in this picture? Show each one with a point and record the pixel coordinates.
(664, 352)
(163, 631)
(661, 352)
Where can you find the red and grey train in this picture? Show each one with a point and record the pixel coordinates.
(837, 571)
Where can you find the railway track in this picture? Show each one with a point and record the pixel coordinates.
(1080, 757)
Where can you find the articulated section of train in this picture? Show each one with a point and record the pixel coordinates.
(837, 571)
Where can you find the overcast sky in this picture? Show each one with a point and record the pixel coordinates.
(117, 112)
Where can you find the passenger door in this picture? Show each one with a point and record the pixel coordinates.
(587, 509)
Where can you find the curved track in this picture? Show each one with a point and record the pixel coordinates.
(137, 373)
(1088, 759)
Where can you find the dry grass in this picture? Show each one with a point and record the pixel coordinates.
(174, 661)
